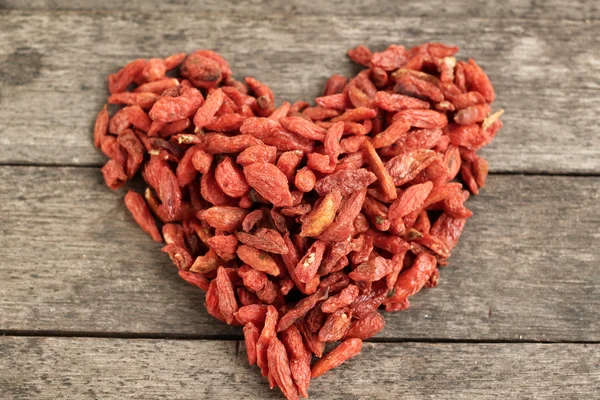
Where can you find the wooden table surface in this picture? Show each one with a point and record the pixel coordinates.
(90, 308)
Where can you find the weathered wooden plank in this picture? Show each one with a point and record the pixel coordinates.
(553, 9)
(53, 68)
(77, 368)
(73, 260)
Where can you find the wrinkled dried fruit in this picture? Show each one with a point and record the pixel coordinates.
(251, 334)
(342, 353)
(346, 182)
(253, 313)
(230, 178)
(336, 325)
(264, 239)
(309, 264)
(140, 212)
(279, 368)
(412, 280)
(299, 358)
(267, 334)
(258, 260)
(269, 182)
(366, 327)
(303, 307)
(224, 218)
(227, 303)
(342, 299)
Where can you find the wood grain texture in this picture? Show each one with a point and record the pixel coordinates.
(73, 260)
(552, 9)
(78, 369)
(53, 68)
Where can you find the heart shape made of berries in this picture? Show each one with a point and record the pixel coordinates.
(300, 222)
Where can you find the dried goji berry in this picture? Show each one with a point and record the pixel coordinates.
(169, 109)
(403, 168)
(194, 279)
(206, 112)
(279, 368)
(386, 182)
(322, 215)
(252, 219)
(303, 307)
(135, 152)
(158, 86)
(224, 218)
(118, 82)
(308, 266)
(336, 325)
(337, 101)
(209, 188)
(396, 131)
(409, 84)
(139, 210)
(201, 70)
(421, 139)
(264, 96)
(342, 299)
(264, 239)
(211, 301)
(257, 153)
(472, 114)
(254, 314)
(269, 182)
(342, 353)
(361, 55)
(288, 163)
(251, 335)
(144, 99)
(377, 213)
(302, 127)
(305, 180)
(206, 263)
(345, 181)
(299, 358)
(341, 227)
(391, 58)
(258, 260)
(267, 334)
(413, 279)
(230, 178)
(366, 327)
(356, 114)
(224, 245)
(227, 301)
(477, 80)
(371, 270)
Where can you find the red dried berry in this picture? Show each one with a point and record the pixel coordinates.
(269, 182)
(342, 353)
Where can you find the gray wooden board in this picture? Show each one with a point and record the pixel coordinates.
(77, 369)
(53, 68)
(73, 260)
(552, 9)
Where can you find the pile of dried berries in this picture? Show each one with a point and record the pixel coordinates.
(301, 221)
